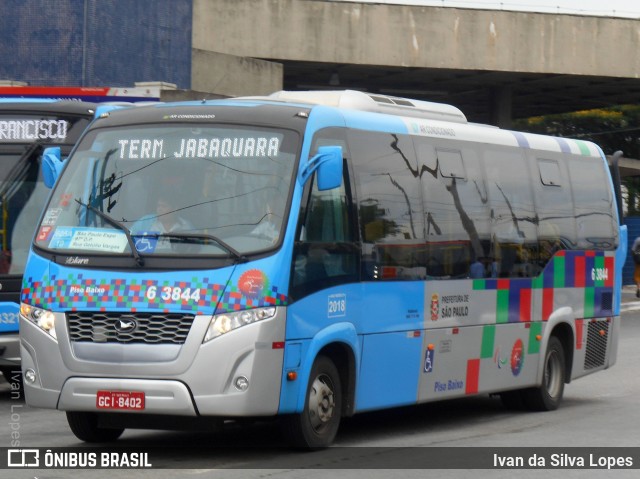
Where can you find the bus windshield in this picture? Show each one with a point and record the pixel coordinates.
(24, 134)
(172, 189)
(22, 193)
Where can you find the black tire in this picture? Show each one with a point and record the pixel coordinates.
(85, 427)
(317, 425)
(548, 395)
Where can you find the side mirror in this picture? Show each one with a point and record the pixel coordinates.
(328, 162)
(51, 165)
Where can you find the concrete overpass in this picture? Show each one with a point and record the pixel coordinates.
(493, 65)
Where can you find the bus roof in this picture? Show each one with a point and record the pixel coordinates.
(17, 105)
(356, 110)
(375, 103)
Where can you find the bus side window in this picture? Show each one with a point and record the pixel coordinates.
(454, 193)
(513, 214)
(554, 203)
(390, 210)
(325, 253)
(594, 204)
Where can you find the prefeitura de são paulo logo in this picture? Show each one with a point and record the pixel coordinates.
(435, 306)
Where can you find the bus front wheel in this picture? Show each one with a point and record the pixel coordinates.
(317, 425)
(548, 395)
(84, 426)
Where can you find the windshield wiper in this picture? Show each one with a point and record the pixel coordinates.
(117, 224)
(239, 256)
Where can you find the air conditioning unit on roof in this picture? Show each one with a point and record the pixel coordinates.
(357, 100)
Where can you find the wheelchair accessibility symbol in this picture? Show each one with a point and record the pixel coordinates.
(428, 360)
(146, 243)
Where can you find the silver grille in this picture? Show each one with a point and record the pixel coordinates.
(597, 338)
(152, 328)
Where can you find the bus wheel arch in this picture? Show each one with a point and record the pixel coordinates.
(329, 396)
(344, 359)
(565, 335)
(317, 425)
(548, 394)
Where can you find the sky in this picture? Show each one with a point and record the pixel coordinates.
(606, 8)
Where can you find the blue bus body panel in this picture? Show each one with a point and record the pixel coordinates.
(317, 320)
(392, 370)
(27, 100)
(9, 313)
(382, 332)
(299, 355)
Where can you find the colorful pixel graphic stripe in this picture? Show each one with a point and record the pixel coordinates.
(591, 271)
(199, 295)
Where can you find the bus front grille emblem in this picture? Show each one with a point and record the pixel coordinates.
(126, 324)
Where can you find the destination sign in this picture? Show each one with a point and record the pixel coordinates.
(33, 130)
(229, 147)
(89, 239)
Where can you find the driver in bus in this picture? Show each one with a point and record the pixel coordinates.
(266, 227)
(165, 220)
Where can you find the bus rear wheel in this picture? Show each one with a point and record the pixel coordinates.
(317, 425)
(84, 426)
(548, 395)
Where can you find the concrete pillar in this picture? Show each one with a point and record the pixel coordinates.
(501, 103)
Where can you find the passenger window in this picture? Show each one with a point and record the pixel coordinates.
(390, 208)
(595, 207)
(513, 214)
(456, 212)
(450, 164)
(549, 172)
(554, 205)
(325, 252)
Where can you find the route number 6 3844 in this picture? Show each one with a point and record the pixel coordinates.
(173, 293)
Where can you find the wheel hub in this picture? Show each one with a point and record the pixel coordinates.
(321, 402)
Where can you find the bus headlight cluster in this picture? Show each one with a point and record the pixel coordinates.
(41, 317)
(223, 323)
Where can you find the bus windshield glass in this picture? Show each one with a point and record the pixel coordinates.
(23, 136)
(22, 196)
(172, 189)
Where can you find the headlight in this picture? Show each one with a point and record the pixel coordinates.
(223, 323)
(44, 319)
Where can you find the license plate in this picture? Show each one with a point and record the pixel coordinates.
(122, 400)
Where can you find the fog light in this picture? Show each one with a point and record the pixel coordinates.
(242, 383)
(30, 376)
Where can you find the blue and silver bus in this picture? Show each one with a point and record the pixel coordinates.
(27, 126)
(312, 255)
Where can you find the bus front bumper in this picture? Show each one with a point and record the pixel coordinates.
(238, 374)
